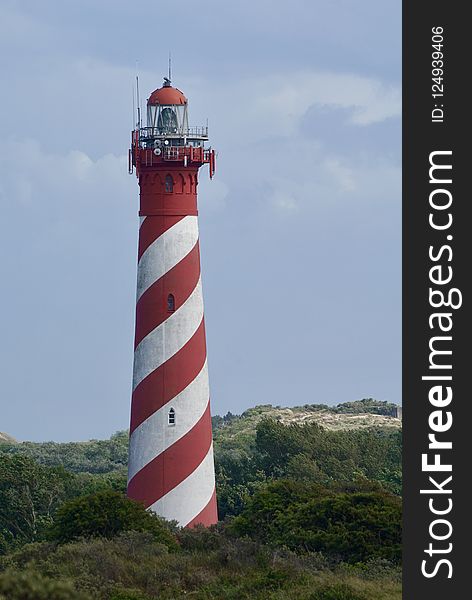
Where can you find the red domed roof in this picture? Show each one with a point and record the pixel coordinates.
(167, 95)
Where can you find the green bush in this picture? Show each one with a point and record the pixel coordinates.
(107, 514)
(30, 585)
(355, 527)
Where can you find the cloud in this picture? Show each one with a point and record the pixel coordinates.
(342, 175)
(284, 202)
(27, 161)
(335, 129)
(298, 143)
(274, 105)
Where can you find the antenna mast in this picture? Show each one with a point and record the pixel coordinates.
(134, 106)
(138, 102)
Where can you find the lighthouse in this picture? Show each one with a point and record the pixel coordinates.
(171, 467)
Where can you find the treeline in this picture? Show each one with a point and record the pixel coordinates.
(355, 459)
(305, 513)
(366, 405)
(93, 456)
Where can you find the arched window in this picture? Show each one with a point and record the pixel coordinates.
(169, 183)
(180, 184)
(170, 303)
(171, 417)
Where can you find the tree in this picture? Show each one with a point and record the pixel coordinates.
(305, 517)
(260, 518)
(106, 514)
(29, 497)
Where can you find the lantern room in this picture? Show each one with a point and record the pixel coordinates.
(167, 111)
(167, 135)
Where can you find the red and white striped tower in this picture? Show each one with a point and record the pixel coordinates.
(171, 468)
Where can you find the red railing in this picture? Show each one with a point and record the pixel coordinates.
(152, 157)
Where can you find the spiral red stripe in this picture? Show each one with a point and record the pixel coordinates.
(170, 379)
(181, 279)
(171, 467)
(153, 228)
(207, 514)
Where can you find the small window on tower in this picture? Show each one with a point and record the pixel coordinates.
(171, 417)
(170, 303)
(169, 183)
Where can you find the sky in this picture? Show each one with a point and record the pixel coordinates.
(300, 228)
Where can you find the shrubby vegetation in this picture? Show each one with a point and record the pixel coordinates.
(306, 514)
(94, 456)
(208, 564)
(367, 405)
(306, 453)
(106, 514)
(353, 527)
